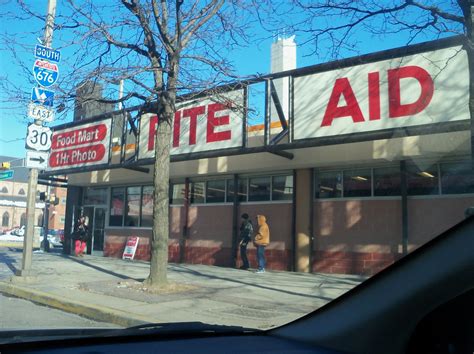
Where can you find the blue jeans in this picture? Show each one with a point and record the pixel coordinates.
(261, 257)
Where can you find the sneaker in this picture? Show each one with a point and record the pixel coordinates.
(244, 268)
(260, 271)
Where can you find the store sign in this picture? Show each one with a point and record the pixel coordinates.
(130, 247)
(201, 125)
(420, 89)
(80, 146)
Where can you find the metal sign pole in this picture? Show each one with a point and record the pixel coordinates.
(33, 180)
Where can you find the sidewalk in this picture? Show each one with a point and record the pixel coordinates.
(96, 287)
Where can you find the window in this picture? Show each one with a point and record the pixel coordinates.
(457, 178)
(117, 203)
(177, 192)
(4, 190)
(196, 192)
(21, 191)
(39, 221)
(329, 184)
(230, 191)
(282, 187)
(132, 207)
(357, 183)
(215, 191)
(387, 181)
(23, 219)
(243, 189)
(94, 196)
(422, 180)
(259, 189)
(5, 219)
(147, 207)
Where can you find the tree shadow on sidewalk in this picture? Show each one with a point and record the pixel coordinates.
(8, 261)
(98, 268)
(180, 269)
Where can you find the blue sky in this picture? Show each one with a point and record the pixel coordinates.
(13, 120)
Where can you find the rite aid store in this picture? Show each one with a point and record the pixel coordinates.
(364, 160)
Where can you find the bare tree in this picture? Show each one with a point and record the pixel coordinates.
(162, 49)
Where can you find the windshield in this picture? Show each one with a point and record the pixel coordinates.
(243, 167)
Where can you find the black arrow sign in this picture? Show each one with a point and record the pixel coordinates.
(39, 159)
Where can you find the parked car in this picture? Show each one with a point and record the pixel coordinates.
(18, 231)
(56, 237)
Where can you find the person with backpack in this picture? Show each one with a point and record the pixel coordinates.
(80, 236)
(246, 231)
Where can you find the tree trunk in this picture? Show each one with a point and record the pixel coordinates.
(159, 241)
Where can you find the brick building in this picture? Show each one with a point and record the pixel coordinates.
(369, 158)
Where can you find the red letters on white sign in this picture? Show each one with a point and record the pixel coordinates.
(342, 87)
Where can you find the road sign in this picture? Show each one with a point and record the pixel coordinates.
(42, 96)
(49, 54)
(41, 113)
(8, 174)
(37, 159)
(38, 138)
(45, 73)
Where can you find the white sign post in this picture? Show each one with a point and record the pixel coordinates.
(38, 138)
(40, 113)
(37, 159)
(130, 248)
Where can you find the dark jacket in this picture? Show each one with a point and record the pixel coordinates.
(246, 231)
(80, 232)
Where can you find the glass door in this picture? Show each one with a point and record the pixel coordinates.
(98, 231)
(95, 242)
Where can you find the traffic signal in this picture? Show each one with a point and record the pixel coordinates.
(43, 196)
(5, 165)
(53, 200)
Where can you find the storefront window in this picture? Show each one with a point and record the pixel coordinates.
(94, 196)
(357, 183)
(329, 184)
(197, 190)
(117, 202)
(147, 207)
(422, 180)
(215, 191)
(282, 188)
(132, 209)
(177, 193)
(387, 181)
(457, 178)
(242, 192)
(230, 191)
(259, 189)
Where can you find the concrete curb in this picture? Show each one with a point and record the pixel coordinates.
(93, 312)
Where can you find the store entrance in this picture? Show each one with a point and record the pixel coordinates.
(95, 243)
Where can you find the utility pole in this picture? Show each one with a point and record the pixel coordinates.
(33, 177)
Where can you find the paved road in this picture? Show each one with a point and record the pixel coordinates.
(21, 314)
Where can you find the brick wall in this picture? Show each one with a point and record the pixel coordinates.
(364, 263)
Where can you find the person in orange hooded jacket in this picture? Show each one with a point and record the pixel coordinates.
(262, 239)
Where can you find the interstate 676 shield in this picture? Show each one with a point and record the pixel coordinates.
(45, 73)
